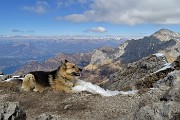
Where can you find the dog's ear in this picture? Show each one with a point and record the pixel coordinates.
(63, 64)
(65, 61)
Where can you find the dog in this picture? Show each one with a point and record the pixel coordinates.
(61, 79)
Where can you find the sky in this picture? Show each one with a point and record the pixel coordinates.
(88, 17)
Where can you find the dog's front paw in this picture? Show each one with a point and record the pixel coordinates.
(69, 84)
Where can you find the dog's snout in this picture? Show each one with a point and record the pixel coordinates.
(80, 69)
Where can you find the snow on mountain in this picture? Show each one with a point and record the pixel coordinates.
(165, 35)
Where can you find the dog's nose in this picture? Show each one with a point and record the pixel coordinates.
(80, 69)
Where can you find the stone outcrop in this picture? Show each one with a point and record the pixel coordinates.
(159, 111)
(168, 107)
(100, 57)
(11, 111)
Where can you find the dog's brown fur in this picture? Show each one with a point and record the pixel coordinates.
(61, 79)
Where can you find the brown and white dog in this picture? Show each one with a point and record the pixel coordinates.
(61, 79)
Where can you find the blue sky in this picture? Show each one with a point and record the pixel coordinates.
(88, 17)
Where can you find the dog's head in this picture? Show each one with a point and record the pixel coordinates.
(69, 70)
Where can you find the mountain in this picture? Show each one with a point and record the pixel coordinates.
(15, 52)
(105, 62)
(81, 59)
(165, 35)
(134, 50)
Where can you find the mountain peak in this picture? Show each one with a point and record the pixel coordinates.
(165, 35)
(164, 30)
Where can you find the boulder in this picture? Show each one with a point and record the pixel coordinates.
(168, 107)
(159, 111)
(172, 80)
(11, 111)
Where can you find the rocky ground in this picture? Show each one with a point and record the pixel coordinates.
(78, 106)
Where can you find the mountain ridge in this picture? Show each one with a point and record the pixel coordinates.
(134, 50)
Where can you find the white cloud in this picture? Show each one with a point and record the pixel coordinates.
(67, 3)
(98, 29)
(130, 12)
(41, 7)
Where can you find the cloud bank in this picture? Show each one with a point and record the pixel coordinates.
(129, 12)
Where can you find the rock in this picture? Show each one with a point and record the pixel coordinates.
(100, 57)
(11, 111)
(168, 108)
(159, 111)
(1, 73)
(177, 63)
(172, 80)
(45, 116)
(172, 52)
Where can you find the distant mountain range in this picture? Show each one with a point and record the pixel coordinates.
(81, 59)
(16, 52)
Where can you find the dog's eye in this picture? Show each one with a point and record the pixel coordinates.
(73, 66)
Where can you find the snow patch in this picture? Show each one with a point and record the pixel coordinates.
(159, 54)
(167, 65)
(11, 79)
(95, 89)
